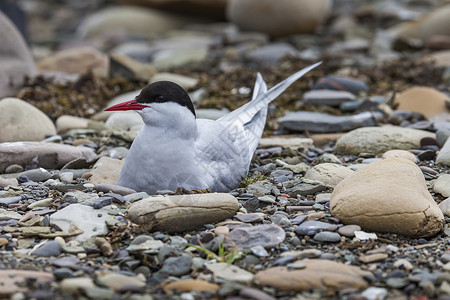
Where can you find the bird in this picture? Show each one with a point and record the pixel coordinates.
(176, 149)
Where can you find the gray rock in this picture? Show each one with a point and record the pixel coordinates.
(443, 156)
(79, 197)
(340, 83)
(38, 175)
(445, 207)
(259, 189)
(266, 235)
(91, 221)
(327, 236)
(21, 121)
(177, 266)
(270, 54)
(14, 168)
(49, 248)
(349, 230)
(250, 218)
(305, 189)
(327, 97)
(17, 60)
(259, 251)
(172, 58)
(325, 123)
(313, 227)
(106, 187)
(50, 156)
(380, 139)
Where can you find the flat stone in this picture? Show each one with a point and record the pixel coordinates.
(21, 121)
(116, 281)
(266, 235)
(412, 100)
(38, 175)
(250, 218)
(327, 97)
(183, 212)
(349, 230)
(91, 221)
(65, 123)
(306, 189)
(328, 173)
(271, 53)
(388, 196)
(230, 272)
(340, 83)
(370, 258)
(325, 123)
(318, 273)
(189, 285)
(327, 236)
(308, 253)
(177, 266)
(73, 285)
(445, 207)
(442, 185)
(51, 155)
(50, 248)
(380, 139)
(313, 227)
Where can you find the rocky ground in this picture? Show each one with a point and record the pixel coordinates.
(347, 195)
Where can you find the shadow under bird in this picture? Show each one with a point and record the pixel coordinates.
(175, 149)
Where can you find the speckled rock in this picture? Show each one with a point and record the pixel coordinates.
(328, 173)
(388, 196)
(399, 154)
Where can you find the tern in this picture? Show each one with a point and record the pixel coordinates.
(175, 149)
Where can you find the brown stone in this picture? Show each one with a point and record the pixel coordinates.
(373, 257)
(188, 285)
(424, 100)
(388, 196)
(182, 212)
(399, 154)
(13, 280)
(318, 273)
(106, 170)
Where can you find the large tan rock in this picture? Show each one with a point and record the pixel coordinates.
(182, 212)
(328, 173)
(388, 196)
(76, 61)
(16, 58)
(424, 100)
(278, 18)
(49, 155)
(318, 273)
(21, 121)
(380, 139)
(106, 170)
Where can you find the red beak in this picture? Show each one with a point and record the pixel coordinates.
(127, 105)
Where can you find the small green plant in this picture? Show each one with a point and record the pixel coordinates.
(247, 180)
(223, 254)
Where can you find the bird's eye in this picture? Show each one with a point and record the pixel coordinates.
(160, 98)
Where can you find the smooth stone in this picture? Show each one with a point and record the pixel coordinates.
(79, 197)
(399, 154)
(266, 235)
(363, 236)
(124, 120)
(340, 83)
(302, 254)
(185, 82)
(286, 142)
(370, 258)
(65, 123)
(380, 139)
(230, 273)
(286, 17)
(349, 230)
(49, 248)
(327, 236)
(4, 182)
(107, 188)
(328, 173)
(17, 60)
(188, 285)
(327, 97)
(374, 293)
(79, 60)
(14, 280)
(74, 285)
(250, 218)
(177, 266)
(270, 54)
(443, 156)
(63, 273)
(129, 20)
(51, 156)
(306, 189)
(412, 100)
(259, 251)
(98, 293)
(317, 273)
(325, 123)
(388, 196)
(117, 281)
(38, 175)
(182, 212)
(259, 189)
(125, 66)
(313, 227)
(106, 170)
(91, 221)
(14, 168)
(442, 185)
(176, 58)
(445, 207)
(21, 121)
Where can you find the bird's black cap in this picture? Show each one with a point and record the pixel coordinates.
(165, 91)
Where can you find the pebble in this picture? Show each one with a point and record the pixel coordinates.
(327, 97)
(230, 272)
(266, 235)
(349, 230)
(327, 236)
(177, 266)
(313, 227)
(50, 248)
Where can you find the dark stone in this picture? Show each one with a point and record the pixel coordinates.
(341, 84)
(177, 266)
(50, 248)
(102, 202)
